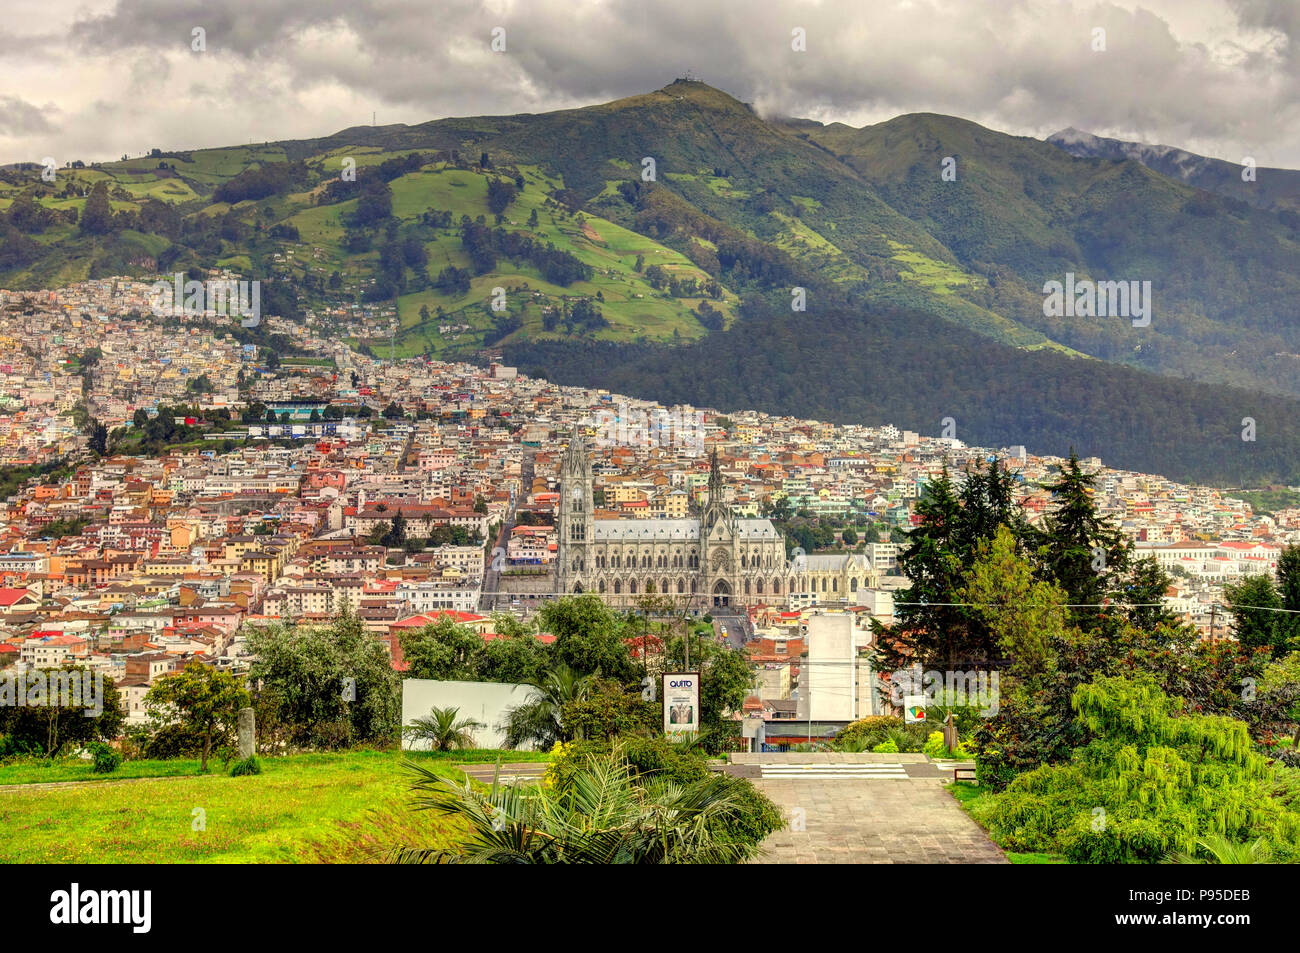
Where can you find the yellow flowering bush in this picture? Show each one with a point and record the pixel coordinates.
(560, 751)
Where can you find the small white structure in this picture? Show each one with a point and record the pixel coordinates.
(831, 668)
(486, 702)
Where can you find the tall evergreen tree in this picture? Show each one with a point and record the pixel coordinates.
(1144, 591)
(951, 525)
(1083, 553)
(1254, 621)
(1288, 578)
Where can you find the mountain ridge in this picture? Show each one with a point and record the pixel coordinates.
(592, 245)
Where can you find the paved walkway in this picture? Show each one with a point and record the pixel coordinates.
(529, 772)
(864, 809)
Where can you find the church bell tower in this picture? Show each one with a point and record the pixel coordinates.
(574, 523)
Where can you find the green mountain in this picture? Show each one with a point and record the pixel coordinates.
(1260, 186)
(683, 218)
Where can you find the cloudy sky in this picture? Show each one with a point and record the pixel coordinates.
(93, 80)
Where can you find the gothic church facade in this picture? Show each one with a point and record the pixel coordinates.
(718, 560)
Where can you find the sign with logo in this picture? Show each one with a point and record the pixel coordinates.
(681, 702)
(914, 708)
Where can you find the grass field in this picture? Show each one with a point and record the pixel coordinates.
(346, 807)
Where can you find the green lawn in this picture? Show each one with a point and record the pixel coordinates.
(346, 807)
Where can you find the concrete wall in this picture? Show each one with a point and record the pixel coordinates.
(830, 671)
(486, 702)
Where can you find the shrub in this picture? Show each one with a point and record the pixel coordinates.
(656, 759)
(1153, 781)
(608, 711)
(11, 747)
(886, 747)
(934, 746)
(867, 732)
(106, 760)
(249, 765)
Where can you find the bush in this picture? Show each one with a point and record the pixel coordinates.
(106, 759)
(934, 746)
(886, 747)
(11, 747)
(656, 759)
(249, 765)
(867, 732)
(173, 741)
(608, 711)
(1151, 782)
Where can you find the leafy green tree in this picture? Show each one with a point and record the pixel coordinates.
(609, 710)
(97, 216)
(1255, 620)
(49, 723)
(329, 686)
(98, 442)
(444, 651)
(518, 657)
(726, 680)
(588, 636)
(396, 534)
(1147, 772)
(202, 700)
(1025, 615)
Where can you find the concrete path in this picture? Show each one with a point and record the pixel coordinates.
(864, 809)
(528, 772)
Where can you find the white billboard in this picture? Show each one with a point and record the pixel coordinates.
(681, 702)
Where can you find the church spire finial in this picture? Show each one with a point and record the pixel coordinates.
(575, 455)
(715, 478)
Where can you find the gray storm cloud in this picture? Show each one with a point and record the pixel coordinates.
(1214, 76)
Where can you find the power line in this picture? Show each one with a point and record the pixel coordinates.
(1064, 605)
(1088, 605)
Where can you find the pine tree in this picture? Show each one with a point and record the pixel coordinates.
(1288, 623)
(952, 526)
(1083, 553)
(927, 631)
(1144, 590)
(1254, 623)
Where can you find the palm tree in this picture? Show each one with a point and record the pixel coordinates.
(442, 731)
(1224, 851)
(540, 718)
(601, 815)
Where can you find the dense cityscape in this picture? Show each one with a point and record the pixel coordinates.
(137, 564)
(511, 433)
